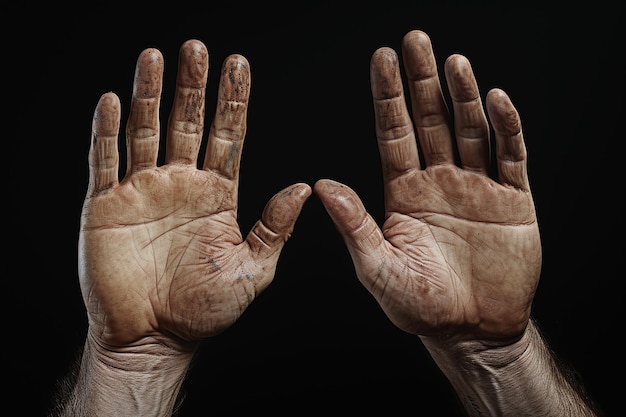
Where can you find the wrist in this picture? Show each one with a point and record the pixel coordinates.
(515, 378)
(151, 356)
(481, 353)
(137, 380)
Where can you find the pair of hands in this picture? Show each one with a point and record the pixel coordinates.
(162, 260)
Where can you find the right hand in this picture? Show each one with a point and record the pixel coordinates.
(459, 254)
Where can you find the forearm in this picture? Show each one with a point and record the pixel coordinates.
(521, 379)
(132, 382)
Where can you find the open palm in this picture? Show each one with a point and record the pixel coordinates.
(161, 255)
(459, 252)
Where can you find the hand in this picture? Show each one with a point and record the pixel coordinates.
(162, 259)
(459, 253)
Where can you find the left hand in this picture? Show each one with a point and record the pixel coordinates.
(162, 260)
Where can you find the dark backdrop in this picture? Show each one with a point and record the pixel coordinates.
(315, 341)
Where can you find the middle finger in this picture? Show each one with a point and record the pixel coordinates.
(430, 113)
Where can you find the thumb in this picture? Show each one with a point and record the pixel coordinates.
(269, 234)
(359, 230)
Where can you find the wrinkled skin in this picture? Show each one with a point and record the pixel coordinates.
(161, 256)
(459, 255)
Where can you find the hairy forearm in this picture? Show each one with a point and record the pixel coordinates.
(131, 382)
(521, 379)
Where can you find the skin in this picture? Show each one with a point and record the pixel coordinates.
(163, 264)
(162, 259)
(459, 254)
(458, 257)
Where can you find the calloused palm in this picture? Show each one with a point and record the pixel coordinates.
(161, 254)
(459, 253)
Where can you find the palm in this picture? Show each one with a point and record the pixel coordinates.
(161, 253)
(459, 252)
(179, 251)
(452, 243)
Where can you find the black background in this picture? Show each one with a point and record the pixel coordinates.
(315, 341)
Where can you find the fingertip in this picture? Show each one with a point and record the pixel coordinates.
(504, 116)
(237, 62)
(109, 96)
(108, 101)
(342, 204)
(416, 37)
(460, 77)
(240, 59)
(196, 57)
(300, 192)
(148, 74)
(325, 187)
(194, 47)
(455, 59)
(303, 190)
(382, 55)
(150, 56)
(496, 95)
(419, 59)
(235, 80)
(323, 182)
(283, 209)
(385, 74)
(106, 118)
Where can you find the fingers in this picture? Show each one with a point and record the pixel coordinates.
(470, 123)
(103, 153)
(186, 122)
(228, 129)
(142, 128)
(358, 229)
(429, 110)
(510, 147)
(394, 129)
(270, 233)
